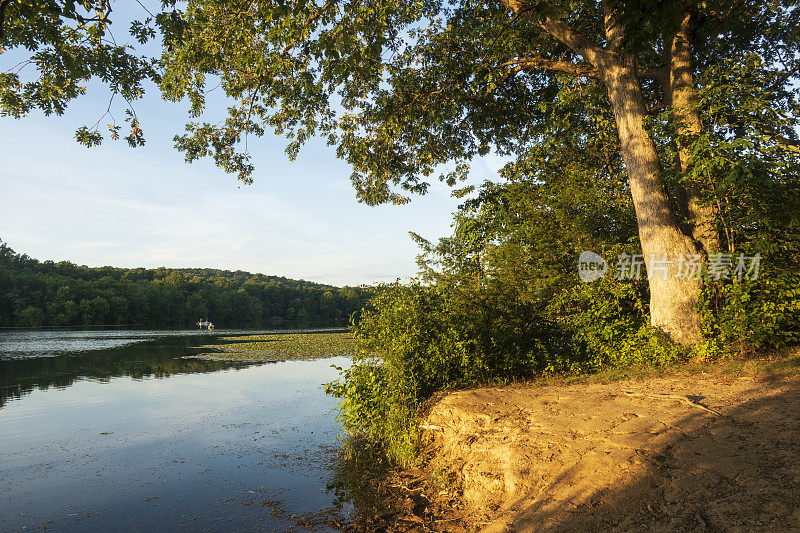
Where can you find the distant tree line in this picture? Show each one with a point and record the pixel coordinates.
(35, 293)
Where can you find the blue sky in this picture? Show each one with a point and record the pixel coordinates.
(114, 205)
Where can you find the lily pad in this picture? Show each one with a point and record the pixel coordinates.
(280, 347)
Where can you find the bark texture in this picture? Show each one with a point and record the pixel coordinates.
(683, 98)
(673, 300)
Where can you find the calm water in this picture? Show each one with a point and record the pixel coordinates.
(110, 431)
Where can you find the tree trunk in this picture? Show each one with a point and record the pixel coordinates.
(683, 98)
(673, 301)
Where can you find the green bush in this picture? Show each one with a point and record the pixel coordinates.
(741, 316)
(416, 340)
(610, 326)
(419, 340)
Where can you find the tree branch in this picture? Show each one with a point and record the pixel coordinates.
(787, 143)
(615, 30)
(783, 78)
(576, 41)
(767, 135)
(310, 20)
(562, 31)
(536, 62)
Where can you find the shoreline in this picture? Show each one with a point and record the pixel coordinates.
(681, 450)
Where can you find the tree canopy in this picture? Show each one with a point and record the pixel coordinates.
(401, 89)
(694, 101)
(398, 89)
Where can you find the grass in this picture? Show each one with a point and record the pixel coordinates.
(280, 347)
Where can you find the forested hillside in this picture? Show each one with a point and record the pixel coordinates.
(34, 293)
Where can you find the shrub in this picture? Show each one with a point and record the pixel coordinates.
(741, 316)
(610, 326)
(415, 340)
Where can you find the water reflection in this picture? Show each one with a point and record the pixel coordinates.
(131, 438)
(47, 359)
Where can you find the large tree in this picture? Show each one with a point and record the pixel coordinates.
(403, 90)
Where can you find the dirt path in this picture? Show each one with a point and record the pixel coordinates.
(707, 452)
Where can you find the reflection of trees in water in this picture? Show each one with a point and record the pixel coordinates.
(148, 359)
(359, 478)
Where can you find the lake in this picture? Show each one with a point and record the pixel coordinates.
(112, 430)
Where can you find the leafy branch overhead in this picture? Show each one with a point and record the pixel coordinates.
(56, 49)
(398, 88)
(403, 88)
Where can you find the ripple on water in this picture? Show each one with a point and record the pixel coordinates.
(210, 447)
